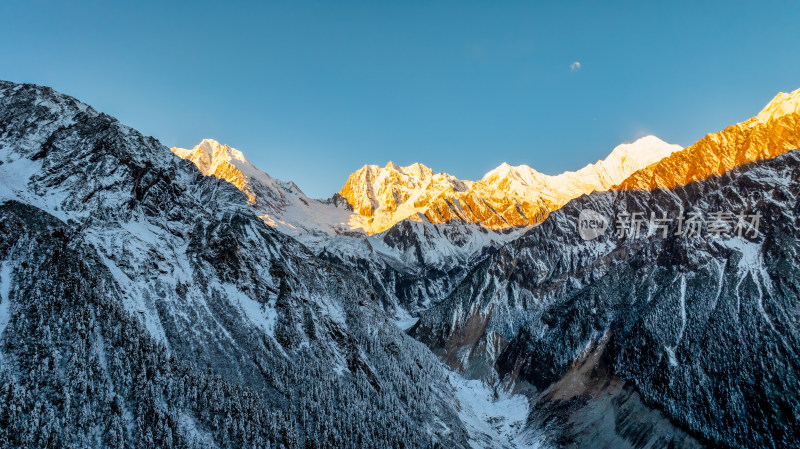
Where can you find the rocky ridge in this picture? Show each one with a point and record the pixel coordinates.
(772, 132)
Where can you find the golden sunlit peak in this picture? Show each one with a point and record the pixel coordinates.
(770, 133)
(782, 104)
(416, 169)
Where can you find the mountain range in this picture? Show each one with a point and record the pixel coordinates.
(155, 297)
(378, 198)
(430, 227)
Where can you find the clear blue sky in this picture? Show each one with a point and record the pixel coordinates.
(311, 91)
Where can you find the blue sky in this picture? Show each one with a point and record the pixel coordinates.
(311, 91)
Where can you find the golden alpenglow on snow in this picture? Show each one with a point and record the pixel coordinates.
(772, 132)
(380, 197)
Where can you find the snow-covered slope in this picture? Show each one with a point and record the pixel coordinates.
(147, 305)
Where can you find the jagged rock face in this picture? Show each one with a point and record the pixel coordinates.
(703, 328)
(772, 132)
(506, 197)
(385, 196)
(160, 308)
(410, 265)
(221, 161)
(414, 264)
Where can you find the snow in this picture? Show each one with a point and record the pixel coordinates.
(135, 239)
(525, 182)
(262, 316)
(720, 281)
(752, 263)
(404, 320)
(339, 368)
(16, 171)
(683, 309)
(279, 204)
(673, 361)
(782, 104)
(14, 175)
(493, 420)
(750, 251)
(5, 290)
(193, 430)
(671, 355)
(332, 309)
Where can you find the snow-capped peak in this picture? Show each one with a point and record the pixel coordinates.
(209, 154)
(380, 197)
(279, 203)
(770, 133)
(508, 196)
(506, 170)
(525, 182)
(388, 195)
(782, 104)
(627, 158)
